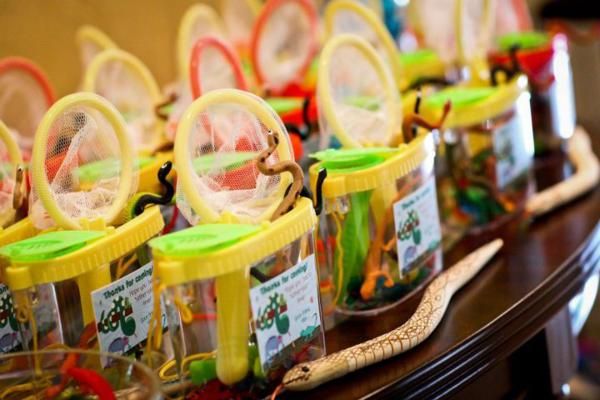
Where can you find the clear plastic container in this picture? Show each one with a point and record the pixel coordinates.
(487, 151)
(242, 302)
(545, 61)
(36, 374)
(380, 229)
(66, 284)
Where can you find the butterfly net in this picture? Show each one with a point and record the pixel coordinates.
(213, 69)
(125, 88)
(7, 185)
(357, 93)
(285, 44)
(204, 22)
(224, 143)
(23, 103)
(349, 21)
(82, 165)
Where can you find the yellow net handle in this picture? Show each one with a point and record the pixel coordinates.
(183, 162)
(38, 160)
(326, 101)
(88, 33)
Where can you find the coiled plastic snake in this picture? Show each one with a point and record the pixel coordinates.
(290, 166)
(419, 327)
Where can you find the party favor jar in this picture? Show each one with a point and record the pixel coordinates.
(488, 146)
(75, 374)
(380, 226)
(242, 302)
(545, 61)
(64, 292)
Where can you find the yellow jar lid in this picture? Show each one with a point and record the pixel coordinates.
(73, 261)
(406, 158)
(233, 251)
(473, 105)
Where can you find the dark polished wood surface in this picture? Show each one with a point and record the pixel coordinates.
(542, 266)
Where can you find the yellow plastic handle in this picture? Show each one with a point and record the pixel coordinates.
(393, 105)
(38, 160)
(233, 305)
(183, 161)
(14, 153)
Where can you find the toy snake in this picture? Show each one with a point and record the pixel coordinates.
(423, 322)
(585, 178)
(284, 166)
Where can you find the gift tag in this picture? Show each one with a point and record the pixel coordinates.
(123, 311)
(417, 222)
(286, 309)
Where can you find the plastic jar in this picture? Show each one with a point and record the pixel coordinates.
(30, 374)
(545, 61)
(487, 147)
(242, 301)
(380, 226)
(64, 282)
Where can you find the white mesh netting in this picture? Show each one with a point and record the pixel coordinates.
(23, 103)
(358, 96)
(215, 68)
(125, 88)
(82, 167)
(7, 186)
(239, 18)
(224, 143)
(348, 21)
(285, 45)
(435, 26)
(512, 16)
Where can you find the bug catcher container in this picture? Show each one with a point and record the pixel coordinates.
(66, 282)
(380, 227)
(242, 301)
(69, 374)
(545, 61)
(488, 152)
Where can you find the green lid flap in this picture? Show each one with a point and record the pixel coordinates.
(459, 96)
(418, 57)
(202, 239)
(107, 168)
(283, 105)
(349, 160)
(524, 40)
(49, 245)
(226, 161)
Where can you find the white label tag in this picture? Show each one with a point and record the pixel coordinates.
(417, 223)
(9, 327)
(286, 308)
(123, 310)
(512, 158)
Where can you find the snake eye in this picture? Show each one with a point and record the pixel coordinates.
(305, 369)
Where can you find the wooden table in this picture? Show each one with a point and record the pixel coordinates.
(509, 332)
